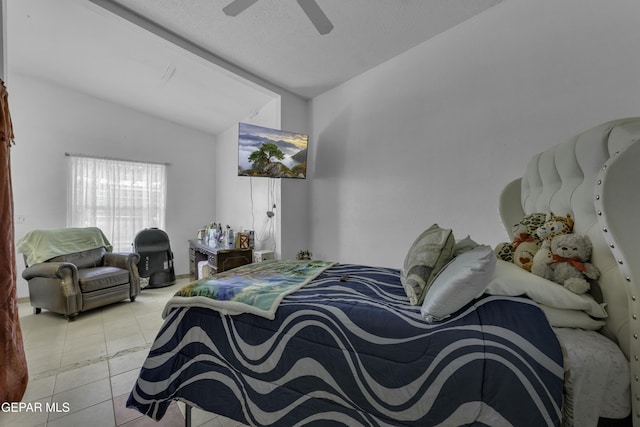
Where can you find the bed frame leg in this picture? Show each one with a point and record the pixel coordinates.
(187, 415)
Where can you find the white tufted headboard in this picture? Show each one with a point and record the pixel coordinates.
(595, 177)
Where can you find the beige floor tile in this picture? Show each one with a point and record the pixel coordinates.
(47, 317)
(202, 418)
(33, 348)
(149, 318)
(39, 388)
(81, 376)
(42, 338)
(26, 418)
(121, 323)
(122, 413)
(75, 341)
(31, 323)
(123, 383)
(113, 332)
(24, 309)
(120, 344)
(118, 313)
(150, 334)
(83, 397)
(39, 361)
(84, 363)
(78, 355)
(127, 362)
(99, 415)
(86, 321)
(172, 418)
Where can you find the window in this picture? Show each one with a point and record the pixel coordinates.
(119, 197)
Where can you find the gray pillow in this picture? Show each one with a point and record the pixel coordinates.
(464, 245)
(459, 282)
(426, 257)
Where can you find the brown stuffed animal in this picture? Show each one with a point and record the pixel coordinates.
(555, 225)
(524, 253)
(524, 232)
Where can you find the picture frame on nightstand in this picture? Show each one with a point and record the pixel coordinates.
(243, 240)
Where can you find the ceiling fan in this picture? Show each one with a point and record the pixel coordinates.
(310, 8)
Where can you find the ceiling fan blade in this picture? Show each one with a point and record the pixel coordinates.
(316, 16)
(237, 6)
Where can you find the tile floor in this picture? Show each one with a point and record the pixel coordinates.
(88, 366)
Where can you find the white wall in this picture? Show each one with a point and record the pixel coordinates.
(293, 213)
(243, 202)
(50, 120)
(434, 134)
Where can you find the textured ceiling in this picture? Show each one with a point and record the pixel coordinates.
(80, 45)
(275, 40)
(104, 48)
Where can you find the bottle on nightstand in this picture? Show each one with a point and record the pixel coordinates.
(230, 239)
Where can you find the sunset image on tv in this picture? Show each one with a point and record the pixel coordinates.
(265, 152)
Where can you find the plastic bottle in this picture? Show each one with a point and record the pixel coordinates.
(219, 234)
(205, 233)
(212, 231)
(230, 239)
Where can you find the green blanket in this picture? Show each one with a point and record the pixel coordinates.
(254, 288)
(41, 245)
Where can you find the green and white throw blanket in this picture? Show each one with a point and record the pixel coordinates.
(41, 245)
(254, 288)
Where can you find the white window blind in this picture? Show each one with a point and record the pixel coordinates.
(119, 197)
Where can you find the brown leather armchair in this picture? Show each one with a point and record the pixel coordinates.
(72, 283)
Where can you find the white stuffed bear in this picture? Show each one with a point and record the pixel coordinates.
(541, 263)
(554, 225)
(568, 263)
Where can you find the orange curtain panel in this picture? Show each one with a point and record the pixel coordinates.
(13, 364)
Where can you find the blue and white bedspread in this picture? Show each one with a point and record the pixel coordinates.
(354, 352)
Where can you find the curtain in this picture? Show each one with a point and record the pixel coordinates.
(119, 197)
(13, 363)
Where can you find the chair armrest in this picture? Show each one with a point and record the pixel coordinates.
(50, 270)
(58, 275)
(126, 261)
(121, 260)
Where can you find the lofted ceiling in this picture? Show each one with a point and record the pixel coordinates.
(172, 58)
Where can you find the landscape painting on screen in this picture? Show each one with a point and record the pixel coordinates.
(265, 152)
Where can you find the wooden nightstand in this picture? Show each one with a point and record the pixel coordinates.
(219, 258)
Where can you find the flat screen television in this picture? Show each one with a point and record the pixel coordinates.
(272, 153)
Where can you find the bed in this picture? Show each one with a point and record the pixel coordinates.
(355, 345)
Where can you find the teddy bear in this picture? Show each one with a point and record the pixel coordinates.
(524, 233)
(568, 263)
(553, 225)
(524, 253)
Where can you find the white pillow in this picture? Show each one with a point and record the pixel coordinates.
(459, 282)
(511, 280)
(562, 318)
